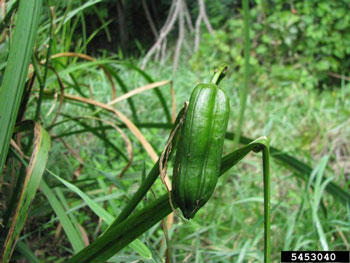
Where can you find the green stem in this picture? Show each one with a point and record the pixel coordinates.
(219, 74)
(233, 158)
(267, 204)
(243, 92)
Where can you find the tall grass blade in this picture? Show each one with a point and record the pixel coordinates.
(317, 195)
(98, 210)
(93, 130)
(137, 245)
(73, 236)
(26, 252)
(71, 216)
(16, 71)
(33, 177)
(67, 17)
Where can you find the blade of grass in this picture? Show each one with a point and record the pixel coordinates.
(138, 246)
(89, 58)
(11, 90)
(83, 26)
(98, 210)
(70, 14)
(26, 252)
(73, 236)
(33, 177)
(71, 216)
(100, 15)
(95, 131)
(93, 34)
(139, 90)
(317, 196)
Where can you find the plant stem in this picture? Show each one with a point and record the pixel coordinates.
(267, 204)
(219, 74)
(244, 89)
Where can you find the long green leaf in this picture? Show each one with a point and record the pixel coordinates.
(71, 216)
(98, 210)
(33, 177)
(26, 252)
(137, 245)
(68, 227)
(16, 71)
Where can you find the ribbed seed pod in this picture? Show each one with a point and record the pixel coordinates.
(198, 156)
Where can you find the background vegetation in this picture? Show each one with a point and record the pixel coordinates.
(97, 50)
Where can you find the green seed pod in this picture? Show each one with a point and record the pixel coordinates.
(199, 151)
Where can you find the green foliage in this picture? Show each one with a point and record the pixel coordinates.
(299, 41)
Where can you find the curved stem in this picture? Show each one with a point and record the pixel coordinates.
(260, 144)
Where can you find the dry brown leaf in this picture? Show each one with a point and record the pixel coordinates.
(84, 235)
(18, 149)
(146, 145)
(140, 90)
